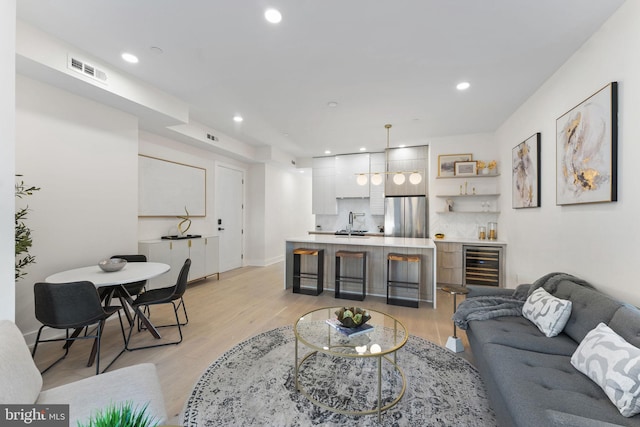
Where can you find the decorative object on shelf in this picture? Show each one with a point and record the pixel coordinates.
(587, 150)
(399, 178)
(493, 167)
(446, 163)
(525, 183)
(465, 168)
(482, 167)
(482, 232)
(352, 317)
(185, 219)
(112, 264)
(450, 205)
(493, 230)
(439, 235)
(23, 233)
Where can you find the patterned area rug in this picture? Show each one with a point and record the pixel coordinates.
(254, 384)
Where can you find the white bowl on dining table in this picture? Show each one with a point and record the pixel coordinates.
(110, 265)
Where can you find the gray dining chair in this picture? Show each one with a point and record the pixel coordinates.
(168, 295)
(73, 305)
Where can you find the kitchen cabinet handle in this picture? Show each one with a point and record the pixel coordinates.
(220, 228)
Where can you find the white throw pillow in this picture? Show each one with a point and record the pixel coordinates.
(547, 312)
(613, 364)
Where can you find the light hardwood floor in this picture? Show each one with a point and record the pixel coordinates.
(241, 304)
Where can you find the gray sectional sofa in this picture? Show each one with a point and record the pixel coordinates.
(529, 377)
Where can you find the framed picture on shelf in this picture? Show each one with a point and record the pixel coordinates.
(465, 168)
(446, 163)
(525, 169)
(587, 150)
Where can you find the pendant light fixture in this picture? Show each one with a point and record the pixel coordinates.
(399, 177)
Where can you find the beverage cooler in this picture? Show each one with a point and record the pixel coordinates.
(482, 265)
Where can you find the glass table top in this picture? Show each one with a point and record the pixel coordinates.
(386, 335)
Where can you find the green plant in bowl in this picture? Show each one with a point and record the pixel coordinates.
(121, 415)
(352, 317)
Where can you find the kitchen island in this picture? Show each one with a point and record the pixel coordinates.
(377, 249)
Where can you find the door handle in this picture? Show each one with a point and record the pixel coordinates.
(220, 228)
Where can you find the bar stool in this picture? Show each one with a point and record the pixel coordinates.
(362, 280)
(299, 275)
(405, 284)
(454, 343)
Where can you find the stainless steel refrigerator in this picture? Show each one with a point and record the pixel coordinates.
(406, 216)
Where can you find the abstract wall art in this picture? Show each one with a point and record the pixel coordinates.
(525, 183)
(587, 150)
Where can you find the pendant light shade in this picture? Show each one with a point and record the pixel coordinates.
(415, 178)
(362, 179)
(398, 178)
(376, 179)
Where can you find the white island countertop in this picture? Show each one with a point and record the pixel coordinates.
(398, 242)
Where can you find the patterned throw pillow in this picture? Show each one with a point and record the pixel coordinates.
(613, 364)
(547, 312)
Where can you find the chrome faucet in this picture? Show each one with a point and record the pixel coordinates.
(352, 216)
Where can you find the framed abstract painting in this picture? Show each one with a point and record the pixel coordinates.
(525, 182)
(587, 150)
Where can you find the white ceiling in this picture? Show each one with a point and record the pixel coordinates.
(382, 61)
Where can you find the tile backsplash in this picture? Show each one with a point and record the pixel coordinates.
(339, 222)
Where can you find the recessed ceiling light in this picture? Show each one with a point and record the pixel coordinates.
(463, 86)
(327, 151)
(129, 57)
(273, 15)
(402, 145)
(363, 149)
(237, 118)
(332, 104)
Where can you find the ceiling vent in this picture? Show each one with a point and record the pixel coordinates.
(86, 69)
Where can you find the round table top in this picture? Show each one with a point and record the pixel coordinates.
(132, 272)
(386, 335)
(455, 289)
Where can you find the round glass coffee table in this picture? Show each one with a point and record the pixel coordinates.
(380, 342)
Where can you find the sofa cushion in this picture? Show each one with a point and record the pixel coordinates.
(518, 332)
(137, 383)
(532, 383)
(21, 380)
(614, 365)
(626, 323)
(589, 307)
(547, 312)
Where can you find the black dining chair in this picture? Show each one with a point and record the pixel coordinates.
(168, 295)
(73, 305)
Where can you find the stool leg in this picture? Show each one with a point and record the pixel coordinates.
(454, 312)
(320, 277)
(337, 292)
(364, 275)
(296, 273)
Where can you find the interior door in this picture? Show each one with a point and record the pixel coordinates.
(229, 201)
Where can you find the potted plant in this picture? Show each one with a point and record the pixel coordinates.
(23, 233)
(123, 414)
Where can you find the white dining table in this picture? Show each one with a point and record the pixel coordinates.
(131, 273)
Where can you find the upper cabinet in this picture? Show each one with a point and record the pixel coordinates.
(323, 198)
(348, 166)
(407, 160)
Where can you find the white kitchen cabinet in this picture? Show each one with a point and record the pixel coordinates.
(323, 197)
(203, 253)
(346, 169)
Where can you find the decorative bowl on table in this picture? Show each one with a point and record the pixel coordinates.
(352, 317)
(112, 264)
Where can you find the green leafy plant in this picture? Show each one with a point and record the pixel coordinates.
(123, 414)
(23, 233)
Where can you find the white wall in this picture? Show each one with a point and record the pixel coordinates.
(7, 154)
(597, 242)
(84, 157)
(279, 206)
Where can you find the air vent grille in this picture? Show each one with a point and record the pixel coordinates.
(86, 69)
